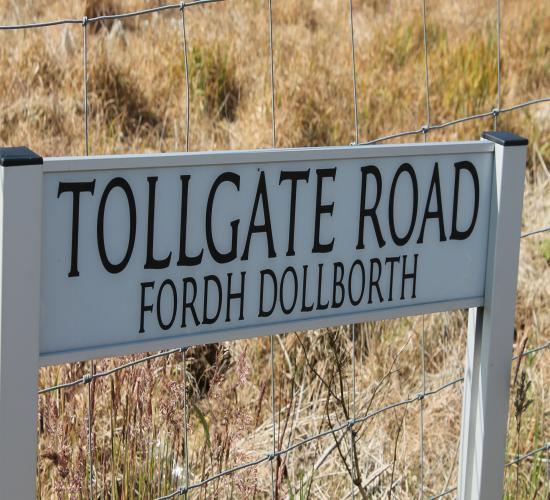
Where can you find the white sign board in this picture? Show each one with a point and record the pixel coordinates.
(143, 252)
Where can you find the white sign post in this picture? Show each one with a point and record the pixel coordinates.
(112, 255)
(491, 332)
(20, 253)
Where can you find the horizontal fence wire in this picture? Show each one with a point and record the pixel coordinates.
(536, 231)
(427, 128)
(109, 17)
(541, 347)
(92, 376)
(445, 493)
(529, 454)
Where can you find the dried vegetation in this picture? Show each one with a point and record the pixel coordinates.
(137, 104)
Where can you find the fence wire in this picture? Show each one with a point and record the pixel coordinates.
(270, 457)
(425, 129)
(347, 426)
(110, 17)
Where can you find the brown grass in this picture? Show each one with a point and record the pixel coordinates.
(137, 104)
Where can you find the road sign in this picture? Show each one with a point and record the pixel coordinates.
(143, 252)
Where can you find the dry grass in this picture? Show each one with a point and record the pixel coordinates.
(137, 104)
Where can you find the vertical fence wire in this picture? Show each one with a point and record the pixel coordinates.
(495, 115)
(274, 459)
(90, 437)
(421, 398)
(546, 440)
(353, 412)
(353, 385)
(185, 419)
(87, 152)
(273, 421)
(426, 128)
(354, 72)
(272, 64)
(187, 83)
(85, 105)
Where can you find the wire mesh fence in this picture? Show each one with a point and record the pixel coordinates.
(344, 428)
(334, 430)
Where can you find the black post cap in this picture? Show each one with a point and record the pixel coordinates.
(505, 138)
(17, 156)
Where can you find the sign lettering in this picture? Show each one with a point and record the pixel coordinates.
(210, 248)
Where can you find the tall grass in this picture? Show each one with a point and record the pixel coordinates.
(137, 104)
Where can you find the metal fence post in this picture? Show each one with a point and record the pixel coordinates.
(20, 249)
(491, 331)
